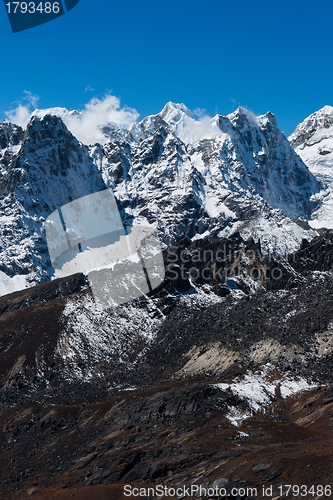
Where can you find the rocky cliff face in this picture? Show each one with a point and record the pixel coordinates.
(41, 169)
(229, 180)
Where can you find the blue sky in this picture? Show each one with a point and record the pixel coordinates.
(264, 55)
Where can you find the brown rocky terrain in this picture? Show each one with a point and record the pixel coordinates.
(234, 385)
(172, 434)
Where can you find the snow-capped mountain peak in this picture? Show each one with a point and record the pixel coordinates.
(313, 141)
(244, 115)
(172, 113)
(62, 113)
(184, 125)
(313, 129)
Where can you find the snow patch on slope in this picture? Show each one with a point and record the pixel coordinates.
(259, 389)
(92, 334)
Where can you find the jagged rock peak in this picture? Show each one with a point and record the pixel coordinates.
(48, 128)
(243, 116)
(312, 125)
(10, 134)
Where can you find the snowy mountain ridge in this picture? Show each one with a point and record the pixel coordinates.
(186, 177)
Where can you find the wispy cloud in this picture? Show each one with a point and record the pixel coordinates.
(199, 113)
(22, 112)
(87, 124)
(97, 113)
(31, 98)
(203, 127)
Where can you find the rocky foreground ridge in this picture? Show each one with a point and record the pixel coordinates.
(223, 374)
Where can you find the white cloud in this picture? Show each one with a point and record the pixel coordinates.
(87, 124)
(22, 113)
(190, 130)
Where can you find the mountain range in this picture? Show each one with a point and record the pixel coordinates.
(222, 376)
(186, 177)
